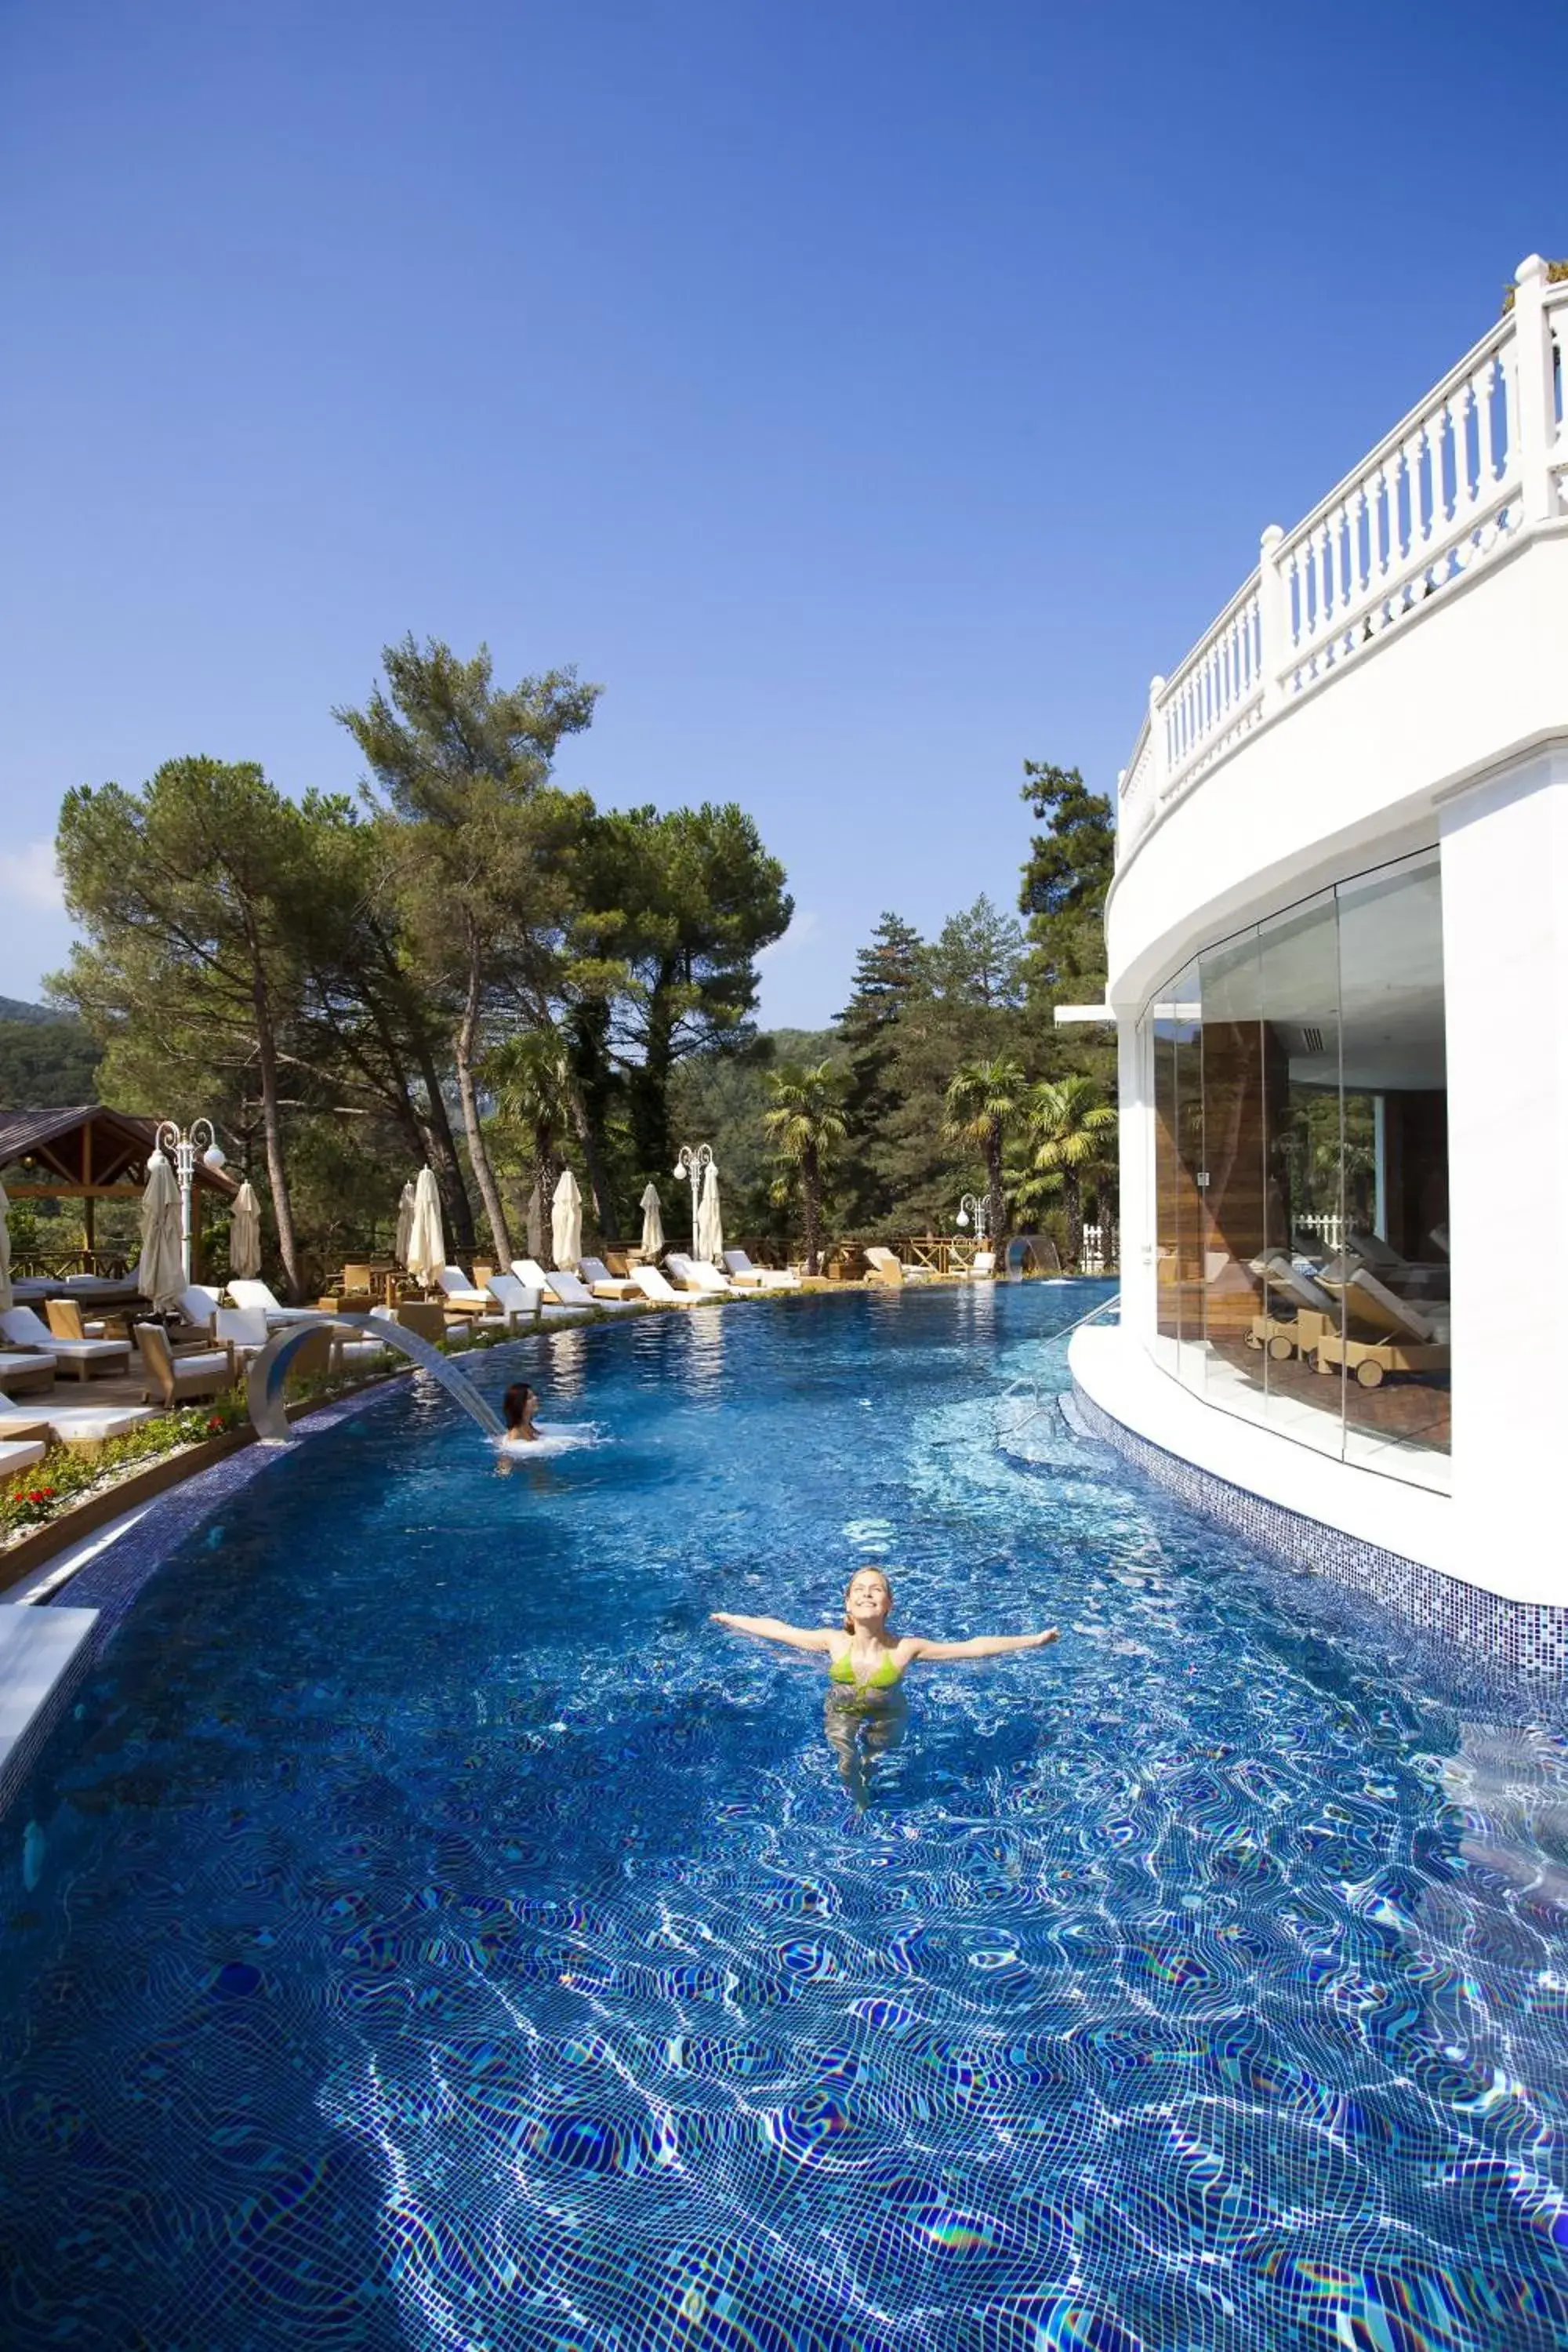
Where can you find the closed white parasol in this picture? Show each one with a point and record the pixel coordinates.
(566, 1222)
(710, 1223)
(404, 1225)
(160, 1275)
(426, 1241)
(652, 1222)
(245, 1234)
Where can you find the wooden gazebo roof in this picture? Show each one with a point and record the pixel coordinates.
(88, 1151)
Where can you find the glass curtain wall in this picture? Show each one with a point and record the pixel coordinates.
(1302, 1173)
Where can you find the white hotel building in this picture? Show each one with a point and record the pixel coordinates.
(1338, 950)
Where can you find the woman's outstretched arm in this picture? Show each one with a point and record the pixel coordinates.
(773, 1629)
(984, 1645)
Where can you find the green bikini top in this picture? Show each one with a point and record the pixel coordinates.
(882, 1677)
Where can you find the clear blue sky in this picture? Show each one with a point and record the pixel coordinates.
(871, 395)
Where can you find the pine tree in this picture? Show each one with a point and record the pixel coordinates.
(1065, 878)
(889, 975)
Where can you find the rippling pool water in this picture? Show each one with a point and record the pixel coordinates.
(434, 1932)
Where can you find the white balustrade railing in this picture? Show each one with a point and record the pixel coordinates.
(1475, 467)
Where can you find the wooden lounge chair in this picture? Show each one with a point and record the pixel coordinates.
(172, 1380)
(696, 1274)
(84, 1357)
(70, 1424)
(19, 1454)
(1384, 1333)
(1314, 1310)
(602, 1283)
(565, 1289)
(460, 1295)
(886, 1268)
(25, 1369)
(245, 1293)
(518, 1301)
(653, 1284)
(740, 1270)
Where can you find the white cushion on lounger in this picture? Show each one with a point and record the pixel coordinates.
(457, 1288)
(23, 1329)
(1426, 1325)
(696, 1274)
(86, 1424)
(19, 1454)
(518, 1301)
(760, 1277)
(653, 1284)
(568, 1289)
(604, 1284)
(256, 1295)
(12, 1359)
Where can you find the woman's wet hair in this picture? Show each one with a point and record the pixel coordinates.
(514, 1404)
(883, 1579)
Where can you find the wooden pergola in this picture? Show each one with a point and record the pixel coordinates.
(91, 1154)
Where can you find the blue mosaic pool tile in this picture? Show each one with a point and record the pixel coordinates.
(1528, 1641)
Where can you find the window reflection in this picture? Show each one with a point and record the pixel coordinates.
(1300, 1142)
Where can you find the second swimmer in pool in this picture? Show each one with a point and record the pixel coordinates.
(863, 1654)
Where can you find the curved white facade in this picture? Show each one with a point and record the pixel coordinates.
(1338, 951)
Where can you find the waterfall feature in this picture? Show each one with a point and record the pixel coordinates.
(263, 1381)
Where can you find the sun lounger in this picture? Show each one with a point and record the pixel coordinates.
(241, 1330)
(696, 1274)
(566, 1289)
(198, 1305)
(602, 1283)
(70, 1424)
(22, 1328)
(1314, 1309)
(519, 1302)
(459, 1294)
(179, 1380)
(740, 1268)
(25, 1369)
(19, 1454)
(1384, 1333)
(653, 1284)
(257, 1294)
(885, 1267)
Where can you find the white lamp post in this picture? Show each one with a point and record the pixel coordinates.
(973, 1207)
(689, 1161)
(181, 1146)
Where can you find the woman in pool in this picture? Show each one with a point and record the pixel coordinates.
(518, 1408)
(864, 1655)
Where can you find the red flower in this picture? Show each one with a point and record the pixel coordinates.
(216, 1421)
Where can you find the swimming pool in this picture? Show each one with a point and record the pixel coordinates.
(433, 1932)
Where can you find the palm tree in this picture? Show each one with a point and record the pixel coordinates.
(983, 1101)
(531, 1076)
(805, 1123)
(1069, 1130)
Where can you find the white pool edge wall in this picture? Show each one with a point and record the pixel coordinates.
(1387, 695)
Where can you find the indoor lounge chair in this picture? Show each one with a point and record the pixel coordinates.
(602, 1283)
(1313, 1310)
(740, 1270)
(173, 1380)
(1384, 1333)
(84, 1357)
(886, 1268)
(257, 1294)
(654, 1285)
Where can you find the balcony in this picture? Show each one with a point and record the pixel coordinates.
(1477, 469)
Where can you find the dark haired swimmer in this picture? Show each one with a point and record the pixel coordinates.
(518, 1408)
(865, 1712)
